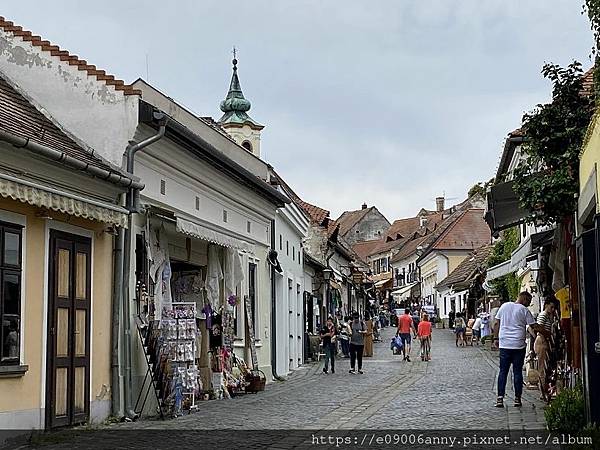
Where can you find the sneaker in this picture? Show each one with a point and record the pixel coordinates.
(332, 371)
(518, 402)
(361, 372)
(408, 358)
(499, 402)
(325, 370)
(351, 371)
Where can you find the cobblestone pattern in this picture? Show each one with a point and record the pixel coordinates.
(455, 390)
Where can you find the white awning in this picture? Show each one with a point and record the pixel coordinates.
(58, 200)
(403, 290)
(382, 282)
(206, 234)
(499, 270)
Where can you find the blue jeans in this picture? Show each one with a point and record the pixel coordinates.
(516, 357)
(330, 350)
(345, 347)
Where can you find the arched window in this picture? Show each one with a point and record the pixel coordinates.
(247, 145)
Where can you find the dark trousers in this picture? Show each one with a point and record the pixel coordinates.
(356, 352)
(345, 346)
(516, 357)
(330, 351)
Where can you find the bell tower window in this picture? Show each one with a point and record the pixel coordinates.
(247, 145)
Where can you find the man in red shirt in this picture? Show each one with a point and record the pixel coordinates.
(405, 326)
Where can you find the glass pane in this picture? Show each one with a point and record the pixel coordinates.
(61, 392)
(10, 337)
(12, 294)
(80, 332)
(62, 332)
(11, 248)
(79, 389)
(81, 272)
(63, 272)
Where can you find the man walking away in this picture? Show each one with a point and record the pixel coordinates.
(513, 319)
(405, 326)
(476, 330)
(328, 338)
(357, 342)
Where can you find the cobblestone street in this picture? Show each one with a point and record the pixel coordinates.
(454, 391)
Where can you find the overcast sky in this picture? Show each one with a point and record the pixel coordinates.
(391, 103)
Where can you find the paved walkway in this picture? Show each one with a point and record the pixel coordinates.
(454, 391)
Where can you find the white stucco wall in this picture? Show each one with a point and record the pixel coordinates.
(290, 228)
(94, 114)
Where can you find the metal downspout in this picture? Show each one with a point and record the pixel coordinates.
(117, 411)
(274, 313)
(132, 205)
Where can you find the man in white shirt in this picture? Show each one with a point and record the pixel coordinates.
(513, 320)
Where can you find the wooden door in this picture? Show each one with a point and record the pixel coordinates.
(68, 353)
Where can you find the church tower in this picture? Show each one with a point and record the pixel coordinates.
(235, 120)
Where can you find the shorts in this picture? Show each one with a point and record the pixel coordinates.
(459, 330)
(405, 338)
(477, 333)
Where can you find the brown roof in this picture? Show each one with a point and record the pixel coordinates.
(469, 231)
(409, 248)
(472, 264)
(365, 248)
(350, 218)
(21, 118)
(64, 55)
(406, 227)
(587, 80)
(317, 215)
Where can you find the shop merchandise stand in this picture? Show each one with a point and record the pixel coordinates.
(143, 330)
(185, 340)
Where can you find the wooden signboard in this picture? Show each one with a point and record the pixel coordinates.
(250, 322)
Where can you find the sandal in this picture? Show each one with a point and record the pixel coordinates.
(518, 402)
(499, 402)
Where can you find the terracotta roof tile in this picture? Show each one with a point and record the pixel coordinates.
(64, 55)
(317, 215)
(588, 82)
(350, 218)
(469, 231)
(462, 274)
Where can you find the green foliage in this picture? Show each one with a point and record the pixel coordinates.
(506, 287)
(547, 182)
(481, 188)
(566, 412)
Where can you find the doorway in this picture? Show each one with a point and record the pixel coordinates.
(68, 350)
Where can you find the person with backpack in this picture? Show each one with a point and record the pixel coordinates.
(357, 330)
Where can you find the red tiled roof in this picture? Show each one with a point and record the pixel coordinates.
(465, 270)
(469, 231)
(316, 214)
(406, 227)
(587, 80)
(409, 248)
(21, 118)
(350, 218)
(64, 55)
(365, 248)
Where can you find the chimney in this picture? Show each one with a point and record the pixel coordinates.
(439, 203)
(364, 206)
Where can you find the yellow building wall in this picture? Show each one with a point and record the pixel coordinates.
(454, 261)
(26, 393)
(591, 155)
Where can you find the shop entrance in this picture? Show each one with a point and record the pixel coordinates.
(68, 352)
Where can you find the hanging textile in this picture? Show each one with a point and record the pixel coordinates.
(234, 272)
(214, 276)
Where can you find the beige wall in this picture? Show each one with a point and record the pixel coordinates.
(454, 261)
(24, 396)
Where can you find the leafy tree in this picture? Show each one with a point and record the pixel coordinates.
(506, 287)
(481, 188)
(547, 182)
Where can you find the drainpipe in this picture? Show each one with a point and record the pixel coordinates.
(116, 303)
(132, 205)
(274, 313)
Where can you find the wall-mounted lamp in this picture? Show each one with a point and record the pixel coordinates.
(327, 274)
(43, 213)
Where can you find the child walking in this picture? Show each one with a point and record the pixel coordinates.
(424, 334)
